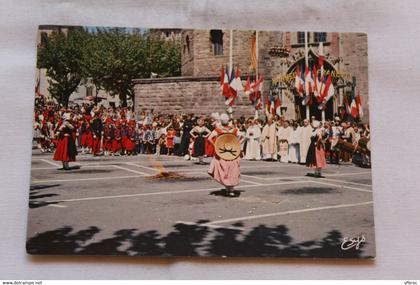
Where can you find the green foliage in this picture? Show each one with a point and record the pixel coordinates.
(61, 56)
(108, 58)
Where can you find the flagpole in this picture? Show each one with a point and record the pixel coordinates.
(230, 65)
(256, 66)
(308, 114)
(321, 53)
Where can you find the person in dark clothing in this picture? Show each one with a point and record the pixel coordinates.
(185, 139)
(97, 128)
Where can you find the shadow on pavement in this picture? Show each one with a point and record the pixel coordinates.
(35, 194)
(190, 240)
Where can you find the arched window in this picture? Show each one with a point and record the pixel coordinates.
(216, 38)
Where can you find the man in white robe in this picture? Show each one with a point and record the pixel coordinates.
(253, 145)
(269, 140)
(294, 142)
(305, 140)
(283, 137)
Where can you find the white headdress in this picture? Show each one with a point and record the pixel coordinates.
(315, 124)
(66, 116)
(224, 118)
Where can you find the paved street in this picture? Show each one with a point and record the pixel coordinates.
(113, 205)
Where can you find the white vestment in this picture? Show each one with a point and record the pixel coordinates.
(253, 146)
(294, 142)
(305, 141)
(269, 141)
(283, 136)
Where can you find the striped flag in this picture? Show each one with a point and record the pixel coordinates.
(236, 83)
(308, 81)
(353, 108)
(278, 105)
(359, 106)
(299, 81)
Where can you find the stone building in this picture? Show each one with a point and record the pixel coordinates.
(204, 52)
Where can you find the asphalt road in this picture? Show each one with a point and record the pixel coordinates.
(113, 205)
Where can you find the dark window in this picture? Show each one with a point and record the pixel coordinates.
(216, 38)
(301, 37)
(187, 44)
(44, 38)
(320, 37)
(89, 91)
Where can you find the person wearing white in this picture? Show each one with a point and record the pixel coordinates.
(283, 136)
(253, 145)
(305, 140)
(294, 144)
(269, 140)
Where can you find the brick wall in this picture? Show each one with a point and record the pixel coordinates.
(198, 95)
(354, 50)
(200, 62)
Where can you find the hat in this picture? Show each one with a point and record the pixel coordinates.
(224, 118)
(227, 147)
(66, 116)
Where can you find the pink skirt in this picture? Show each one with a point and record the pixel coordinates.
(320, 158)
(225, 172)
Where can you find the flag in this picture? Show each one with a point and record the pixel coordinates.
(278, 105)
(236, 82)
(316, 82)
(257, 83)
(253, 65)
(320, 61)
(248, 86)
(222, 77)
(353, 108)
(347, 103)
(359, 106)
(258, 101)
(267, 106)
(225, 87)
(308, 81)
(327, 91)
(299, 81)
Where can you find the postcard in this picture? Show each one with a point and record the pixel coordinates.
(207, 143)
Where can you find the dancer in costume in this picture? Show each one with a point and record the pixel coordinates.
(316, 152)
(199, 134)
(225, 165)
(66, 148)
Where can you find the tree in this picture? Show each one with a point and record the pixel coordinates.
(108, 58)
(61, 55)
(114, 57)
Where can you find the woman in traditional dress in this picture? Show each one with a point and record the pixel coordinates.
(187, 126)
(170, 140)
(116, 140)
(86, 140)
(199, 134)
(226, 172)
(316, 152)
(66, 148)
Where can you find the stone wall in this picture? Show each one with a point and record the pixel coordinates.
(199, 87)
(198, 95)
(354, 51)
(199, 59)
